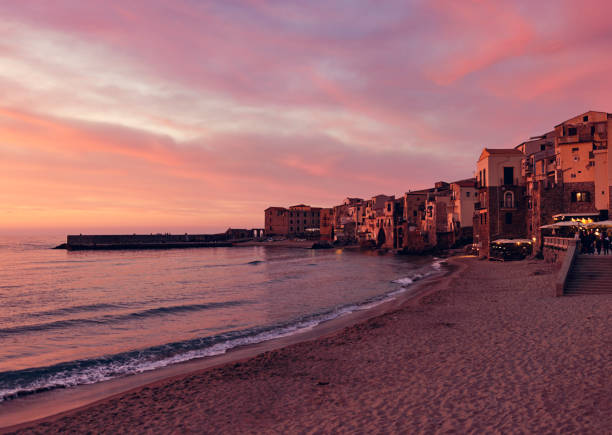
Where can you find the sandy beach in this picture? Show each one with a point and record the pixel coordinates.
(488, 349)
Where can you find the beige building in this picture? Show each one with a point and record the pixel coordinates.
(461, 212)
(500, 211)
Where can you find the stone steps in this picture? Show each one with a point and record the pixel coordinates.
(590, 275)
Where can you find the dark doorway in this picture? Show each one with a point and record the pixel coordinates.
(508, 175)
(381, 239)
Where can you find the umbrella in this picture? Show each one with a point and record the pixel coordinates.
(562, 224)
(600, 224)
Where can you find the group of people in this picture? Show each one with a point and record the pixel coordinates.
(593, 241)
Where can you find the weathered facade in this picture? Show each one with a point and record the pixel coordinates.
(327, 224)
(500, 212)
(461, 212)
(296, 221)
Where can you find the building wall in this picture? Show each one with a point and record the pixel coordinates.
(276, 221)
(494, 166)
(574, 161)
(570, 206)
(463, 201)
(546, 201)
(294, 221)
(414, 207)
(602, 194)
(490, 219)
(303, 217)
(327, 224)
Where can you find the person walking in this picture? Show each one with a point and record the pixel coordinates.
(598, 244)
(606, 243)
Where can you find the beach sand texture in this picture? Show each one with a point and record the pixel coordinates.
(494, 353)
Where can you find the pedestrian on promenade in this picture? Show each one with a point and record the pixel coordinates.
(606, 243)
(598, 244)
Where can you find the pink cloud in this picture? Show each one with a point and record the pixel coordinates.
(316, 100)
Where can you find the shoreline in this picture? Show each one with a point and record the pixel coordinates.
(50, 405)
(484, 349)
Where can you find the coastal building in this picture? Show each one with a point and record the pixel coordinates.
(276, 221)
(567, 173)
(581, 148)
(296, 221)
(327, 224)
(346, 218)
(376, 221)
(500, 212)
(414, 208)
(461, 210)
(543, 193)
(436, 229)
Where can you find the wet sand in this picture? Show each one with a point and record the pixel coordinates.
(486, 349)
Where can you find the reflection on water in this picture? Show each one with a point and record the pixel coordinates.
(65, 312)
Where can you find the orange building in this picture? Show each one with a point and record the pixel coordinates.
(296, 221)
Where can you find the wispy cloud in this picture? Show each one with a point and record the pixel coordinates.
(200, 114)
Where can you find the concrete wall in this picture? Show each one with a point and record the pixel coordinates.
(553, 255)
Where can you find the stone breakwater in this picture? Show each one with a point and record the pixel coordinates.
(144, 241)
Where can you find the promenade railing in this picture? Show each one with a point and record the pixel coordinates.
(558, 242)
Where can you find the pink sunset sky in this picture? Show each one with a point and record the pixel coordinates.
(190, 115)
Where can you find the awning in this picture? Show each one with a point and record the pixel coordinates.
(575, 215)
(600, 224)
(562, 224)
(504, 241)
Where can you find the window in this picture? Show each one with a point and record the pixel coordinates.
(575, 150)
(542, 147)
(485, 217)
(508, 218)
(304, 221)
(572, 131)
(481, 219)
(585, 118)
(414, 213)
(467, 194)
(291, 229)
(592, 130)
(509, 200)
(581, 196)
(291, 221)
(508, 175)
(484, 177)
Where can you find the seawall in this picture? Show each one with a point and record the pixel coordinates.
(144, 241)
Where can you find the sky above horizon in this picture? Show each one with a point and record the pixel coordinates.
(191, 115)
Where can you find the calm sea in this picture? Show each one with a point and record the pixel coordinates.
(70, 318)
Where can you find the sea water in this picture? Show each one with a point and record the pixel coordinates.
(71, 318)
